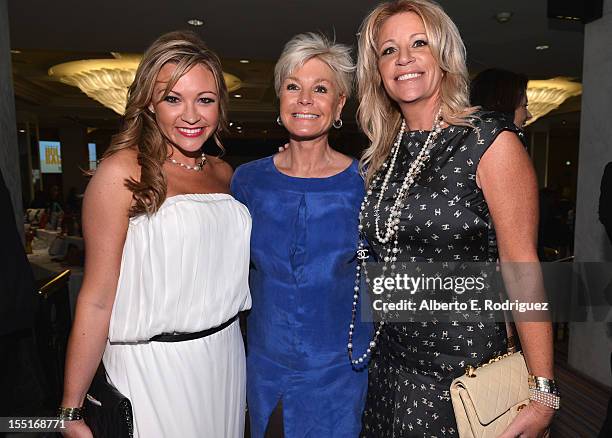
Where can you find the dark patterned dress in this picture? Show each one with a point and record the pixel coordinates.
(445, 218)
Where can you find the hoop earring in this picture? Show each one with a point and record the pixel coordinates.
(279, 121)
(337, 124)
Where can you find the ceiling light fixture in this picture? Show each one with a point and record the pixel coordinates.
(107, 80)
(195, 22)
(237, 96)
(503, 17)
(546, 95)
(15, 51)
(567, 17)
(543, 47)
(22, 131)
(244, 61)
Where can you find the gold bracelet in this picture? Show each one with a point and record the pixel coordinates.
(542, 384)
(70, 414)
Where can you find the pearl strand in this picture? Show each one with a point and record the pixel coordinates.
(392, 226)
(392, 223)
(395, 151)
(197, 167)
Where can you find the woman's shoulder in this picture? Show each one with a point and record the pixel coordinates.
(120, 164)
(492, 122)
(107, 188)
(245, 170)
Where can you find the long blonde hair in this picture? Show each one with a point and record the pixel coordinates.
(139, 128)
(378, 115)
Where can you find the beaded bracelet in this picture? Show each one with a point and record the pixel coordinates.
(546, 398)
(70, 414)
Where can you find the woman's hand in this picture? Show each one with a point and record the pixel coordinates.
(76, 429)
(531, 422)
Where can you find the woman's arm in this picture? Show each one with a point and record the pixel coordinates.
(105, 222)
(509, 185)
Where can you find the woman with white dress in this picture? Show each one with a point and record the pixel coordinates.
(167, 254)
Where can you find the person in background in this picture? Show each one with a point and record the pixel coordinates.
(21, 387)
(503, 91)
(40, 200)
(304, 202)
(605, 200)
(605, 217)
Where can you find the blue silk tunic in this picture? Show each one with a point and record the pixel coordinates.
(302, 277)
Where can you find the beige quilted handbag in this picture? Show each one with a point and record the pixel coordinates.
(486, 399)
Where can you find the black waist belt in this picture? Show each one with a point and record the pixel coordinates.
(179, 337)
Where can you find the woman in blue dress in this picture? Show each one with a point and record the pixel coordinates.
(304, 202)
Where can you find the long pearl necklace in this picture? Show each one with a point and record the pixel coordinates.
(414, 170)
(391, 224)
(196, 167)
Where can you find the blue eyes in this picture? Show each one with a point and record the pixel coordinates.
(393, 49)
(174, 99)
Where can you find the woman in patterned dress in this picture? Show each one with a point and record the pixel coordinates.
(412, 85)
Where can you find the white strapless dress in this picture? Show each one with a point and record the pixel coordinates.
(184, 269)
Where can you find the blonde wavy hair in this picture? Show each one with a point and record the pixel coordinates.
(139, 129)
(379, 116)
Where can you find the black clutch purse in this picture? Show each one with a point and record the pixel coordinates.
(108, 413)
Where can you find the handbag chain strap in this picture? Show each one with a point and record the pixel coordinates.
(470, 370)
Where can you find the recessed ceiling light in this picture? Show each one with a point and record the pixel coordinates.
(15, 52)
(22, 131)
(237, 96)
(195, 22)
(568, 163)
(570, 18)
(231, 124)
(543, 47)
(244, 61)
(503, 17)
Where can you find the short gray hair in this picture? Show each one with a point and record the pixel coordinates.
(305, 46)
